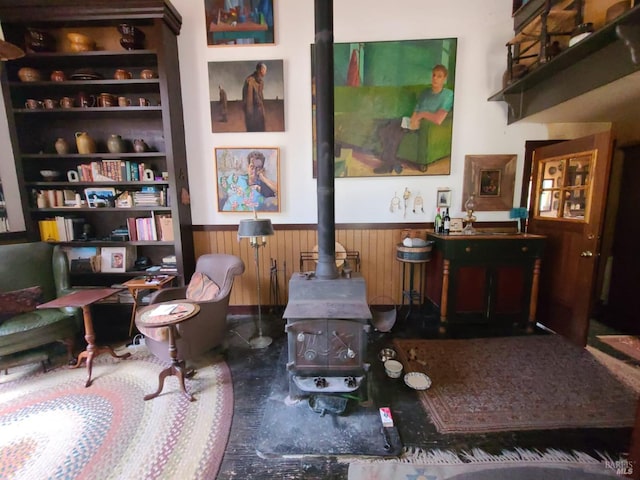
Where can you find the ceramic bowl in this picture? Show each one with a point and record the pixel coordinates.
(80, 42)
(49, 175)
(393, 368)
(28, 74)
(387, 354)
(80, 38)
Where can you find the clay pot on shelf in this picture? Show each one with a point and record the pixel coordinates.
(122, 74)
(147, 73)
(39, 41)
(28, 74)
(106, 100)
(80, 42)
(85, 143)
(132, 38)
(139, 146)
(58, 76)
(62, 146)
(84, 100)
(115, 144)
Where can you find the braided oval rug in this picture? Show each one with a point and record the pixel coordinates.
(54, 427)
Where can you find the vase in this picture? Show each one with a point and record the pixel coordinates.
(85, 143)
(115, 144)
(62, 146)
(139, 145)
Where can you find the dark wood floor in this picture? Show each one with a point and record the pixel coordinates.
(254, 371)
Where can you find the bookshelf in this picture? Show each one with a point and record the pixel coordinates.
(129, 196)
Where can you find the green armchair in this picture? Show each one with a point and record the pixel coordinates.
(359, 112)
(37, 264)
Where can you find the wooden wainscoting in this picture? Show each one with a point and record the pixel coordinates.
(375, 244)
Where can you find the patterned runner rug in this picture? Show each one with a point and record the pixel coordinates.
(54, 427)
(478, 465)
(516, 383)
(626, 344)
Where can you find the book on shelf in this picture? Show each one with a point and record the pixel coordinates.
(116, 170)
(60, 229)
(165, 228)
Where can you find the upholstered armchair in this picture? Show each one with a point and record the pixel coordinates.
(207, 329)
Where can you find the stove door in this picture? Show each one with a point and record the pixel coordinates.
(324, 346)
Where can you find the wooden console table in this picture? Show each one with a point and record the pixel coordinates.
(485, 278)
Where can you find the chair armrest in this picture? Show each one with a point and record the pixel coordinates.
(168, 294)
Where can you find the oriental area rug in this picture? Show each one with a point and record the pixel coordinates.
(536, 382)
(53, 427)
(478, 465)
(627, 344)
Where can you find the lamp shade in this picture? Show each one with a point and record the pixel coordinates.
(255, 227)
(9, 51)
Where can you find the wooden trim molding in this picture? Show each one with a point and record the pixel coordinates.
(375, 243)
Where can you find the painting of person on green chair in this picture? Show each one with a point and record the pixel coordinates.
(394, 107)
(434, 104)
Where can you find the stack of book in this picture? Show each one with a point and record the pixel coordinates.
(149, 197)
(169, 264)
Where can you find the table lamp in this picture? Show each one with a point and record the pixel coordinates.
(9, 51)
(256, 230)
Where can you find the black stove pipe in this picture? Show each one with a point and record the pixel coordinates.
(326, 266)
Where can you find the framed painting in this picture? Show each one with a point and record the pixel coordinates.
(117, 259)
(393, 107)
(100, 196)
(443, 199)
(239, 22)
(246, 96)
(491, 178)
(248, 179)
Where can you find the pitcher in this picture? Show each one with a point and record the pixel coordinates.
(85, 143)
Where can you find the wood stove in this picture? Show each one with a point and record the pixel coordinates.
(327, 323)
(327, 314)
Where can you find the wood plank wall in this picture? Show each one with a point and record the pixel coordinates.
(376, 246)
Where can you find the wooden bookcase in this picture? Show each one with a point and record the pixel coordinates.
(159, 123)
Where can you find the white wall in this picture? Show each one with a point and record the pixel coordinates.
(480, 127)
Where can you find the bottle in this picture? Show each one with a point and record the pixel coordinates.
(447, 222)
(437, 224)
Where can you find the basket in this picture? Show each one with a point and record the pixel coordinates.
(383, 317)
(414, 254)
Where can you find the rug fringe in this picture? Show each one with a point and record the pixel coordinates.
(477, 455)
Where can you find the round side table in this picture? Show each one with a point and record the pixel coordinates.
(153, 316)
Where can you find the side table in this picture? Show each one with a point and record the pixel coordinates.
(136, 285)
(420, 257)
(151, 317)
(84, 299)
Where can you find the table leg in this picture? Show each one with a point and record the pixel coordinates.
(92, 349)
(176, 369)
(134, 294)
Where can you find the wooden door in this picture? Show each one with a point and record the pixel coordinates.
(569, 196)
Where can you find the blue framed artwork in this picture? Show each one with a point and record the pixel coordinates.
(248, 179)
(239, 22)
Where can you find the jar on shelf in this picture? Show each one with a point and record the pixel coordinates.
(115, 144)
